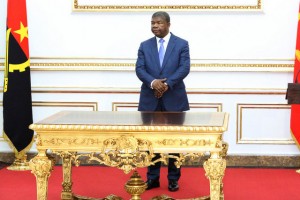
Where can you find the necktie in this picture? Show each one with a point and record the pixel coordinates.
(161, 51)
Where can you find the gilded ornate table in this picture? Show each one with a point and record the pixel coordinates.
(128, 140)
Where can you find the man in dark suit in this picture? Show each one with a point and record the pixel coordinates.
(162, 64)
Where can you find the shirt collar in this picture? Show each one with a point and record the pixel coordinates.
(166, 38)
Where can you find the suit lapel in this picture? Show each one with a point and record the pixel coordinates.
(170, 48)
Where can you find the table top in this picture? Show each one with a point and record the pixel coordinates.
(136, 118)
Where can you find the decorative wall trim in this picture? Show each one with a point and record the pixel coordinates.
(84, 5)
(116, 106)
(239, 136)
(128, 64)
(244, 67)
(92, 105)
(217, 106)
(191, 91)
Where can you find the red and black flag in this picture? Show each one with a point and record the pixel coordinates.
(17, 104)
(295, 108)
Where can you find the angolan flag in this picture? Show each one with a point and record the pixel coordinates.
(17, 104)
(295, 108)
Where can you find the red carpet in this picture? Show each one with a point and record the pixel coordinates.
(95, 181)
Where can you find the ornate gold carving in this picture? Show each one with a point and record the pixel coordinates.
(125, 152)
(127, 144)
(72, 141)
(215, 169)
(76, 6)
(162, 197)
(223, 153)
(109, 197)
(38, 140)
(135, 186)
(207, 129)
(186, 142)
(41, 167)
(180, 160)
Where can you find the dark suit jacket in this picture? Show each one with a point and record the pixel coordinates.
(175, 67)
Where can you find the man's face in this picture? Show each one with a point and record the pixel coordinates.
(159, 27)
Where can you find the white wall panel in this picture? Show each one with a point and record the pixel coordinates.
(263, 123)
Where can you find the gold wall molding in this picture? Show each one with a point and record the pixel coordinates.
(106, 66)
(239, 133)
(238, 91)
(92, 105)
(190, 91)
(77, 6)
(117, 106)
(216, 106)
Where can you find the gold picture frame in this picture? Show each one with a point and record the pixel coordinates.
(98, 6)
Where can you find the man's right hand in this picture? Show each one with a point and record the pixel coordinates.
(159, 85)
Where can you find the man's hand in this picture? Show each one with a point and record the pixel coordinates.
(159, 85)
(159, 93)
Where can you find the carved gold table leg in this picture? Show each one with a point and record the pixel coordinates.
(66, 193)
(223, 154)
(41, 167)
(215, 168)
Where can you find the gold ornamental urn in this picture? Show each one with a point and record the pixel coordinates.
(135, 186)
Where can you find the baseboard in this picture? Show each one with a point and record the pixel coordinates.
(231, 160)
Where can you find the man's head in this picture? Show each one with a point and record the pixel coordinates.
(160, 24)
